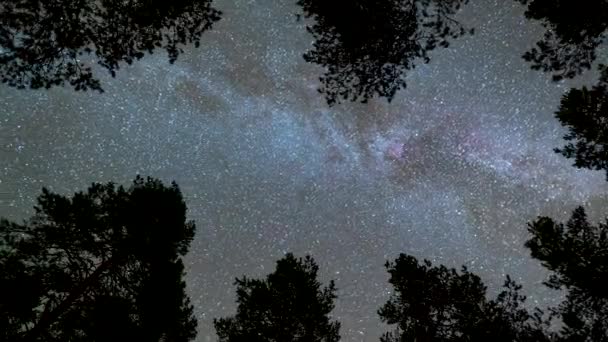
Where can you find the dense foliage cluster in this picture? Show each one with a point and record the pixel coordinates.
(290, 305)
(103, 265)
(366, 47)
(435, 303)
(584, 112)
(574, 31)
(54, 42)
(577, 255)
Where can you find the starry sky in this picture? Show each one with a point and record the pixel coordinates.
(451, 170)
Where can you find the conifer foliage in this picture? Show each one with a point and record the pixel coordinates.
(102, 265)
(367, 47)
(289, 305)
(55, 42)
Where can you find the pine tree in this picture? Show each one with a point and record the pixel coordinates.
(366, 47)
(103, 265)
(574, 32)
(584, 112)
(290, 305)
(440, 304)
(53, 42)
(577, 256)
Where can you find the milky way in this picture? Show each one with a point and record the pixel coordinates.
(451, 170)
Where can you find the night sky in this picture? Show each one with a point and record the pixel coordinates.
(451, 170)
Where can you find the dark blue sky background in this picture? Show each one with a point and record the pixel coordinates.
(451, 170)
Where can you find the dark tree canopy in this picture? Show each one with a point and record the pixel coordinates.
(575, 30)
(290, 305)
(52, 42)
(577, 255)
(366, 47)
(103, 265)
(585, 113)
(434, 303)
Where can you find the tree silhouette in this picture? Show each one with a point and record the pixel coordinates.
(288, 306)
(366, 47)
(585, 113)
(574, 31)
(49, 43)
(434, 303)
(577, 256)
(103, 265)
